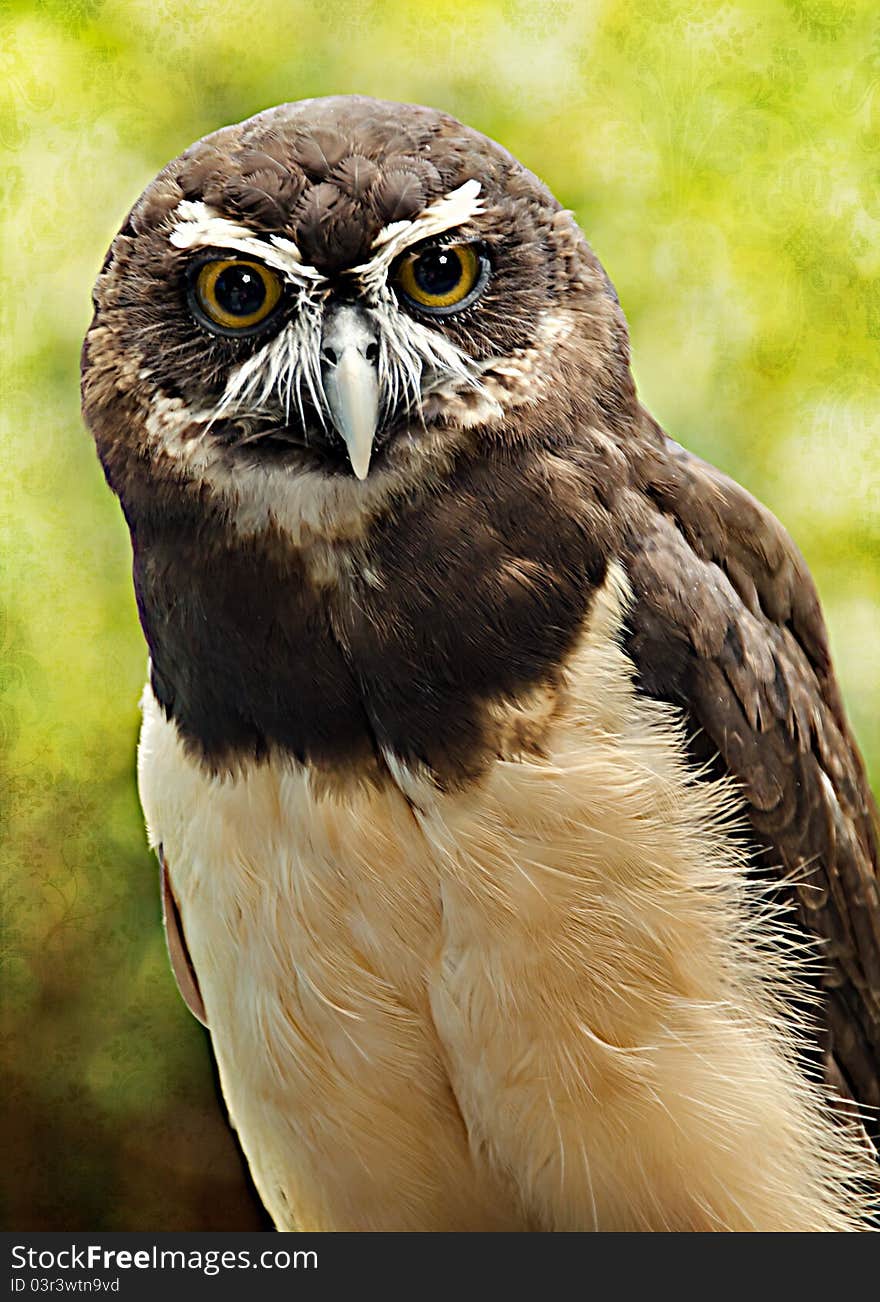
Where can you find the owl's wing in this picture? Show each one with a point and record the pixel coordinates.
(726, 624)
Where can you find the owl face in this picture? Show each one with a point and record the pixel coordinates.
(335, 358)
(325, 303)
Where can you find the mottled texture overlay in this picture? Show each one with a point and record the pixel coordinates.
(722, 160)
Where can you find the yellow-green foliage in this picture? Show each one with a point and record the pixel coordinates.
(724, 160)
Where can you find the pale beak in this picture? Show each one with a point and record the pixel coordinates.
(349, 373)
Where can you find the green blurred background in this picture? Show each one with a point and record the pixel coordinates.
(724, 160)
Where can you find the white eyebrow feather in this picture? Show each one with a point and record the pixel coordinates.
(197, 225)
(453, 209)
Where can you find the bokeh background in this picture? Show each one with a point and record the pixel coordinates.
(724, 160)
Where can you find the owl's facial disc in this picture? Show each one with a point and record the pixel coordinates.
(348, 355)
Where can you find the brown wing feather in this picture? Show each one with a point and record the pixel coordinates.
(727, 625)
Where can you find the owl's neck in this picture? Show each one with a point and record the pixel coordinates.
(474, 597)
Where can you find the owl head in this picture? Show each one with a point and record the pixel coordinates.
(320, 309)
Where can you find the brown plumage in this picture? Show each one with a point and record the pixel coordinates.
(727, 625)
(469, 693)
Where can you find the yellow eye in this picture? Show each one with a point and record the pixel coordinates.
(235, 294)
(441, 280)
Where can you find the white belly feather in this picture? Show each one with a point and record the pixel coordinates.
(534, 1004)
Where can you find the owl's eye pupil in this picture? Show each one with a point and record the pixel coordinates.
(240, 291)
(438, 271)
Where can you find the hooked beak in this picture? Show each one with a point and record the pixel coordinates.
(349, 374)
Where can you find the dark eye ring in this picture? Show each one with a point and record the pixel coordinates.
(441, 279)
(233, 296)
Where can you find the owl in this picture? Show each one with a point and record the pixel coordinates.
(514, 845)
